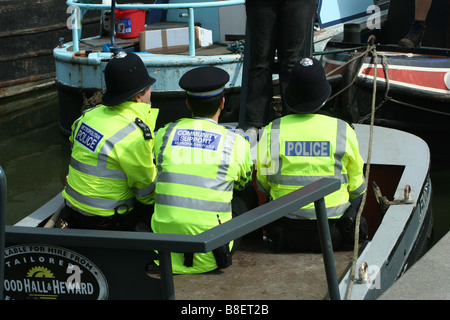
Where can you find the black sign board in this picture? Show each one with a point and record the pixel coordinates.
(36, 271)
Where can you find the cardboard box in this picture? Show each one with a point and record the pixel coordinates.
(173, 40)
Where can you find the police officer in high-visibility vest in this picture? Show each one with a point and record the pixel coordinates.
(111, 177)
(302, 147)
(200, 163)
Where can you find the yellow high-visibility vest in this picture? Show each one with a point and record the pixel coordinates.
(299, 149)
(111, 163)
(199, 165)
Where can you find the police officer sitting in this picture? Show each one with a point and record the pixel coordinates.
(302, 147)
(110, 184)
(199, 164)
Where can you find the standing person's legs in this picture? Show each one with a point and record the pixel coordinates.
(294, 30)
(261, 17)
(417, 31)
(422, 8)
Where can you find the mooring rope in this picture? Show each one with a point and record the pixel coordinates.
(361, 56)
(371, 49)
(373, 52)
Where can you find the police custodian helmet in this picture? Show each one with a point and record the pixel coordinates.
(125, 76)
(308, 88)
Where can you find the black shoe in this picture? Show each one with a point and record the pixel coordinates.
(414, 37)
(153, 271)
(275, 239)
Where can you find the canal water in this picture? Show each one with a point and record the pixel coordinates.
(34, 155)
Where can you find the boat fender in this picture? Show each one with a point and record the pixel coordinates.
(144, 127)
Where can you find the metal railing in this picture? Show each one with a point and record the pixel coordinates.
(189, 6)
(2, 228)
(167, 243)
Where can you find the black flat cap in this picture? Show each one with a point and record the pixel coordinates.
(204, 81)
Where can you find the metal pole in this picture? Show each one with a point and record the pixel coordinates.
(2, 230)
(112, 23)
(327, 249)
(76, 30)
(165, 264)
(191, 32)
(244, 85)
(113, 49)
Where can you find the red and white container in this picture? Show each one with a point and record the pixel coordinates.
(128, 23)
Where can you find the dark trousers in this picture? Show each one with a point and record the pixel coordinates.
(282, 25)
(138, 219)
(287, 234)
(243, 201)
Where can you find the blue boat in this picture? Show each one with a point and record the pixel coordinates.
(80, 63)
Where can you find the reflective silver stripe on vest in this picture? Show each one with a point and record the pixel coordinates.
(96, 202)
(97, 171)
(165, 139)
(278, 178)
(218, 183)
(111, 142)
(311, 213)
(144, 192)
(100, 170)
(103, 172)
(341, 139)
(191, 203)
(230, 138)
(359, 190)
(196, 181)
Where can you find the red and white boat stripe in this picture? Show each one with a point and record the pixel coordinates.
(422, 78)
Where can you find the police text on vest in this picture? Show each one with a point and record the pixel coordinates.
(196, 139)
(307, 148)
(88, 137)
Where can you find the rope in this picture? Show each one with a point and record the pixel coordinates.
(371, 49)
(418, 107)
(325, 52)
(386, 97)
(362, 56)
(369, 155)
(236, 47)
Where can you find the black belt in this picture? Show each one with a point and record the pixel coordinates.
(77, 220)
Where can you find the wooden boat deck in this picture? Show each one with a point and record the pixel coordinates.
(256, 274)
(96, 43)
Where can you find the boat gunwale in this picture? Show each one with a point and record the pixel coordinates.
(387, 240)
(379, 251)
(149, 59)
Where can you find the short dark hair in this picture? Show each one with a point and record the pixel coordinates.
(205, 107)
